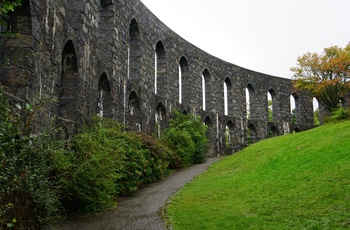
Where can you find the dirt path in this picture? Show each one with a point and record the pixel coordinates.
(143, 209)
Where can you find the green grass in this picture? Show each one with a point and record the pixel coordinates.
(297, 181)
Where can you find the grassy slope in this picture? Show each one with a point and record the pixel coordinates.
(299, 181)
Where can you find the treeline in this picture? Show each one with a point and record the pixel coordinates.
(43, 178)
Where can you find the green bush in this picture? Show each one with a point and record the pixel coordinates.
(104, 161)
(187, 136)
(337, 115)
(340, 114)
(28, 195)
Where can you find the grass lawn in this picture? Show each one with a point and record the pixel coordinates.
(297, 181)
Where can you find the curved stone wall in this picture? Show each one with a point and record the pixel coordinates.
(116, 59)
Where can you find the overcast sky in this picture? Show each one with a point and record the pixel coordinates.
(263, 35)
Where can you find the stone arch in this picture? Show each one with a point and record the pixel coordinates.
(272, 111)
(210, 135)
(317, 111)
(228, 92)
(159, 116)
(68, 87)
(296, 130)
(251, 134)
(105, 102)
(134, 61)
(206, 88)
(229, 135)
(342, 102)
(134, 112)
(20, 20)
(273, 132)
(295, 112)
(184, 81)
(160, 70)
(251, 106)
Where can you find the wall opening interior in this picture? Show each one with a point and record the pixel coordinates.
(207, 100)
(203, 92)
(273, 132)
(134, 51)
(180, 84)
(342, 103)
(296, 130)
(160, 70)
(159, 116)
(134, 110)
(210, 135)
(271, 105)
(229, 134)
(18, 21)
(105, 102)
(227, 92)
(295, 108)
(68, 93)
(184, 86)
(251, 134)
(250, 101)
(316, 109)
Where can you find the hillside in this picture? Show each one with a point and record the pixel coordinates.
(299, 181)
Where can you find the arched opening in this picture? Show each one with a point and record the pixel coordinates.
(271, 106)
(342, 103)
(134, 110)
(68, 87)
(203, 92)
(295, 108)
(210, 135)
(159, 116)
(160, 70)
(184, 86)
(206, 86)
(227, 92)
(251, 134)
(250, 102)
(18, 21)
(229, 134)
(104, 97)
(273, 132)
(316, 109)
(296, 130)
(134, 54)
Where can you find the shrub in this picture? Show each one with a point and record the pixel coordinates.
(104, 161)
(28, 195)
(337, 115)
(187, 136)
(340, 114)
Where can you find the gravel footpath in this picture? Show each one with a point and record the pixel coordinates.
(142, 210)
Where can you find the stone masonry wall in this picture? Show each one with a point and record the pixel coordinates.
(99, 57)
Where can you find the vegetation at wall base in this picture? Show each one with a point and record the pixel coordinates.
(28, 193)
(297, 181)
(186, 134)
(42, 178)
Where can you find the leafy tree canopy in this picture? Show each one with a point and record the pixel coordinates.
(326, 76)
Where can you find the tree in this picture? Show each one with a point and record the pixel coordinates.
(326, 76)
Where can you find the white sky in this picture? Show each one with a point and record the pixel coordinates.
(262, 35)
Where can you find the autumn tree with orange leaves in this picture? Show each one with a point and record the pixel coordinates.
(326, 76)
